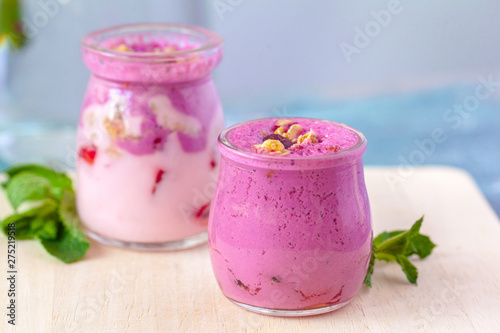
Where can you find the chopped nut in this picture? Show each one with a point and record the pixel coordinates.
(122, 48)
(113, 152)
(114, 127)
(286, 142)
(283, 122)
(169, 49)
(270, 173)
(311, 136)
(280, 131)
(271, 145)
(334, 148)
(293, 132)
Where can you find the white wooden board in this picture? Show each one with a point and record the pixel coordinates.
(114, 290)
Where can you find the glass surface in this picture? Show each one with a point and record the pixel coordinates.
(147, 134)
(290, 236)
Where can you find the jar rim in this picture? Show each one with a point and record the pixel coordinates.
(91, 41)
(358, 149)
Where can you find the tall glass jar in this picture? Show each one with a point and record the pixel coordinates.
(147, 133)
(290, 235)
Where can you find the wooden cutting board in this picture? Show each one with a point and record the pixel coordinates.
(114, 290)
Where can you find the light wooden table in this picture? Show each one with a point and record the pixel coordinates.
(114, 290)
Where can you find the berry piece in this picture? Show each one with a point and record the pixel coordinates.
(287, 143)
(88, 154)
(159, 177)
(203, 211)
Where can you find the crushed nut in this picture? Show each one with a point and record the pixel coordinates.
(283, 122)
(286, 142)
(311, 136)
(293, 132)
(169, 49)
(334, 148)
(122, 48)
(271, 145)
(113, 152)
(280, 130)
(115, 127)
(270, 173)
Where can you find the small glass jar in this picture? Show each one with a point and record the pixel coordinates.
(151, 115)
(289, 235)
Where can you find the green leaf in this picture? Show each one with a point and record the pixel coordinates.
(397, 246)
(66, 247)
(45, 227)
(408, 268)
(23, 221)
(59, 182)
(385, 236)
(386, 257)
(399, 241)
(71, 243)
(55, 221)
(10, 24)
(27, 186)
(420, 245)
(368, 278)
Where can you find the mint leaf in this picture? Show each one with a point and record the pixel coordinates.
(55, 221)
(385, 236)
(408, 268)
(66, 247)
(397, 246)
(58, 181)
(71, 243)
(420, 245)
(10, 24)
(23, 221)
(45, 228)
(27, 186)
(368, 278)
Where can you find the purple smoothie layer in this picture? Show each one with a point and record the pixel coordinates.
(197, 100)
(141, 46)
(291, 232)
(330, 137)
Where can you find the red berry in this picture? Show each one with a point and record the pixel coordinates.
(88, 154)
(213, 164)
(159, 177)
(203, 211)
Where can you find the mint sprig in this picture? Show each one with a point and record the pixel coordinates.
(10, 24)
(397, 246)
(52, 217)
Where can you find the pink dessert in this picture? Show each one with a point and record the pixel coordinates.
(290, 230)
(146, 144)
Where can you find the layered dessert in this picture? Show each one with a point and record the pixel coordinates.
(290, 228)
(147, 162)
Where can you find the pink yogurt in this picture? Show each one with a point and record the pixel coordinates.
(147, 133)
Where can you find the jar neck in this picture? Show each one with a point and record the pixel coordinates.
(145, 84)
(152, 53)
(152, 73)
(243, 155)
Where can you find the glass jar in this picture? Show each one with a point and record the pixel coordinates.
(290, 235)
(147, 133)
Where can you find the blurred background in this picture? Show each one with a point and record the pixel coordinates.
(421, 79)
